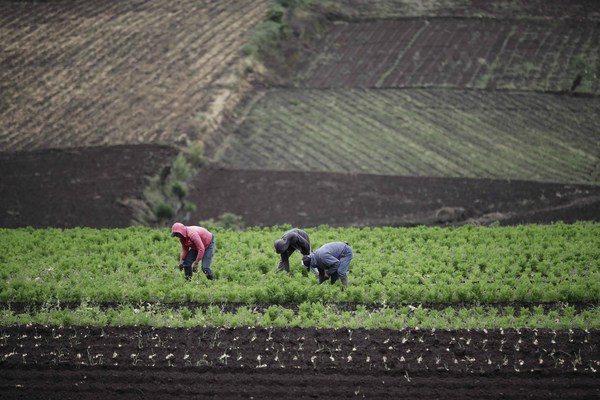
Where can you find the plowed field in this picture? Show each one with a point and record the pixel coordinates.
(537, 9)
(76, 187)
(81, 73)
(42, 362)
(91, 187)
(465, 53)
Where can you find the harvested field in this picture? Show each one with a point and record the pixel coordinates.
(421, 132)
(207, 362)
(80, 73)
(514, 54)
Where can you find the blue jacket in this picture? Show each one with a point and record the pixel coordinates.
(327, 257)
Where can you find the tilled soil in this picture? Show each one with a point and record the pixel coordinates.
(101, 187)
(136, 362)
(76, 187)
(305, 198)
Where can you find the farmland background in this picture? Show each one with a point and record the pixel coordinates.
(461, 114)
(502, 97)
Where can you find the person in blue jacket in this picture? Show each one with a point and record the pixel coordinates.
(332, 261)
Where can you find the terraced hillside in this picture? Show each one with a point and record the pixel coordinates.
(401, 94)
(81, 73)
(447, 94)
(422, 132)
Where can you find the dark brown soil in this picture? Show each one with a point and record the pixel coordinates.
(43, 362)
(462, 53)
(89, 187)
(535, 9)
(76, 187)
(312, 198)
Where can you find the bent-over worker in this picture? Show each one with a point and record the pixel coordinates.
(331, 260)
(292, 240)
(197, 244)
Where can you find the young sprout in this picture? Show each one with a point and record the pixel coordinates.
(224, 358)
(260, 364)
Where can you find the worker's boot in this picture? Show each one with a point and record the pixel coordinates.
(344, 280)
(209, 275)
(334, 277)
(188, 272)
(283, 266)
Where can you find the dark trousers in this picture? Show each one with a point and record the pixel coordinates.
(206, 260)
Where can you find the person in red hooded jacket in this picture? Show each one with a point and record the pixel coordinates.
(197, 244)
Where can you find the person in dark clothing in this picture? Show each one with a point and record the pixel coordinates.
(292, 240)
(332, 261)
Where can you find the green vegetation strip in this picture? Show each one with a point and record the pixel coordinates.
(393, 266)
(311, 315)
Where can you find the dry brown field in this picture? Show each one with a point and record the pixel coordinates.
(81, 73)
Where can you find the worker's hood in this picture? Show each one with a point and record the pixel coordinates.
(179, 228)
(281, 245)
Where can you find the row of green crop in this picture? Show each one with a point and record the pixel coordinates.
(310, 315)
(535, 263)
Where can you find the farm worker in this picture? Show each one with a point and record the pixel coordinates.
(294, 239)
(197, 244)
(331, 260)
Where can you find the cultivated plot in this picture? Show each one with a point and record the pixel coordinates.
(546, 55)
(538, 9)
(87, 73)
(421, 132)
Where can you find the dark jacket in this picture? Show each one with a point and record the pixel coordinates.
(294, 239)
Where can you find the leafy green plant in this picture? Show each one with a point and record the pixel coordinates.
(395, 266)
(166, 193)
(226, 220)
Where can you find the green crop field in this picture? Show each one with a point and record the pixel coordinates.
(421, 132)
(470, 275)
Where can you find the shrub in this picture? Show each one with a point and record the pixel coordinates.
(164, 211)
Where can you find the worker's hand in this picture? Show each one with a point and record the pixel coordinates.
(195, 266)
(327, 274)
(181, 265)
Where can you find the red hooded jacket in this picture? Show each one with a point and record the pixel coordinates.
(194, 237)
